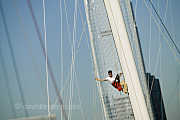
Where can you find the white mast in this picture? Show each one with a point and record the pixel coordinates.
(127, 61)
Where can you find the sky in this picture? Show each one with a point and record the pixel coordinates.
(76, 81)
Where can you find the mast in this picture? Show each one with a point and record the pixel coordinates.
(127, 61)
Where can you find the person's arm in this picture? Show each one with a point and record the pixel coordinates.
(101, 80)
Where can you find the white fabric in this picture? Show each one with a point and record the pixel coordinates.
(110, 79)
(126, 58)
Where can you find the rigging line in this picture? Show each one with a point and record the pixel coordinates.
(158, 54)
(48, 62)
(172, 20)
(61, 39)
(162, 85)
(71, 90)
(84, 32)
(6, 79)
(68, 25)
(164, 26)
(95, 88)
(159, 28)
(63, 88)
(46, 54)
(73, 60)
(156, 64)
(82, 111)
(84, 27)
(172, 50)
(74, 37)
(166, 9)
(96, 72)
(82, 21)
(71, 82)
(150, 39)
(79, 41)
(70, 100)
(13, 59)
(158, 39)
(159, 50)
(29, 45)
(74, 66)
(86, 37)
(136, 8)
(152, 85)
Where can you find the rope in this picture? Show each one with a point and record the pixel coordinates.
(13, 59)
(157, 57)
(46, 59)
(73, 60)
(7, 85)
(83, 32)
(68, 25)
(91, 56)
(136, 8)
(165, 13)
(95, 61)
(159, 28)
(49, 65)
(164, 26)
(150, 39)
(95, 89)
(61, 48)
(84, 28)
(159, 49)
(28, 44)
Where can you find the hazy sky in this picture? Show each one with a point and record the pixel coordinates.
(81, 86)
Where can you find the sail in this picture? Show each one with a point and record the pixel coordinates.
(115, 46)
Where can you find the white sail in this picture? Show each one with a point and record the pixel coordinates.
(113, 48)
(127, 61)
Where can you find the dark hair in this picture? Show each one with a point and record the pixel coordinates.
(110, 71)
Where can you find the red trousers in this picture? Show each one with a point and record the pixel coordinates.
(117, 85)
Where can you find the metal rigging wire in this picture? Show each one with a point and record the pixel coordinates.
(46, 57)
(13, 59)
(164, 26)
(44, 53)
(6, 79)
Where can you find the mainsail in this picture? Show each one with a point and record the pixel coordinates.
(115, 45)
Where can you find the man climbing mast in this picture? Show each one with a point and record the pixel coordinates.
(115, 81)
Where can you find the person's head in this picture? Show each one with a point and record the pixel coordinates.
(110, 73)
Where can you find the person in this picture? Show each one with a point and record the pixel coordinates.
(115, 81)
